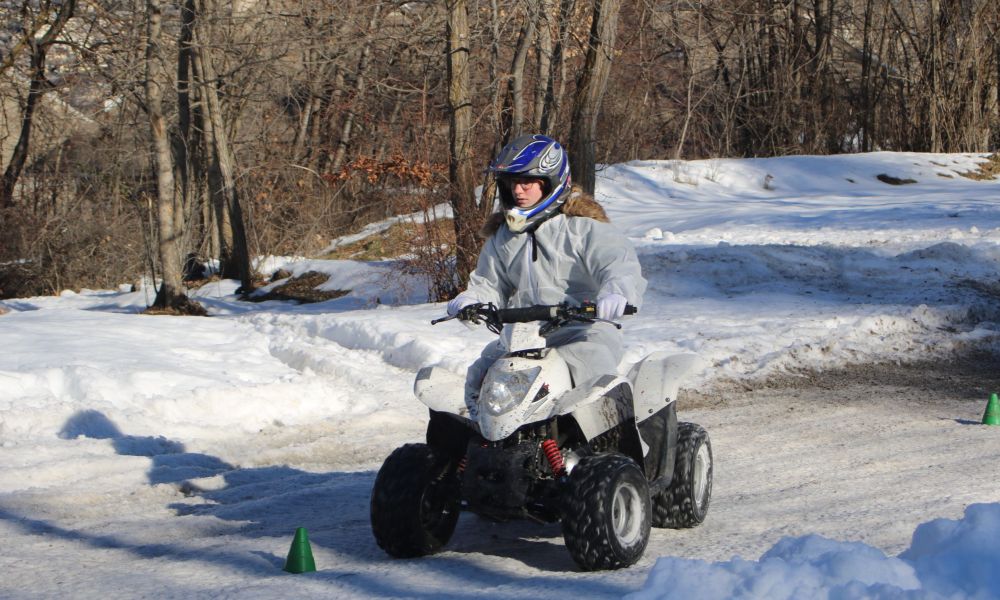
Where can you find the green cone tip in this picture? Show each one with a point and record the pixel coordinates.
(300, 556)
(992, 414)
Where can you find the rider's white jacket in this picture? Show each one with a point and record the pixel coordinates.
(574, 256)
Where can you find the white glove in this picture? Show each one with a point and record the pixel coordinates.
(459, 302)
(611, 306)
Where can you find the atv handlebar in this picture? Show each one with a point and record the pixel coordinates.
(547, 312)
(557, 315)
(527, 314)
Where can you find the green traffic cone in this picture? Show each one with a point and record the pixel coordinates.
(300, 555)
(992, 414)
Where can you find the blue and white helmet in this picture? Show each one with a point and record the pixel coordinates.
(539, 157)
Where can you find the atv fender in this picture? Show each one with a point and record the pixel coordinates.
(598, 405)
(449, 434)
(658, 435)
(656, 380)
(443, 391)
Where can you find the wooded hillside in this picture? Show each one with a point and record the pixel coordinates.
(134, 133)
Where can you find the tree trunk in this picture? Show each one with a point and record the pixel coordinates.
(590, 91)
(460, 176)
(515, 90)
(553, 91)
(935, 67)
(187, 140)
(171, 292)
(36, 88)
(307, 110)
(993, 100)
(222, 163)
(544, 48)
(487, 196)
(359, 93)
(692, 71)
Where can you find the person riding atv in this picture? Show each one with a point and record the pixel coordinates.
(551, 432)
(552, 243)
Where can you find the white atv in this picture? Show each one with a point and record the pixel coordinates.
(607, 458)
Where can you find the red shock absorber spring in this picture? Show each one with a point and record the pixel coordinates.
(551, 450)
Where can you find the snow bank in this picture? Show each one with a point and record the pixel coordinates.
(953, 559)
(181, 377)
(959, 558)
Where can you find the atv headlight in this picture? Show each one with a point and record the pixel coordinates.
(503, 390)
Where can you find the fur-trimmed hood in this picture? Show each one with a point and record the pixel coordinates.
(579, 204)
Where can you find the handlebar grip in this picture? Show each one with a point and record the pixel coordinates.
(528, 314)
(630, 309)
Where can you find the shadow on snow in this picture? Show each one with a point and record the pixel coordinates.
(270, 502)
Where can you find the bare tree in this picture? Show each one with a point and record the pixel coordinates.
(221, 161)
(171, 292)
(556, 83)
(38, 48)
(515, 89)
(590, 92)
(301, 121)
(460, 177)
(359, 92)
(543, 50)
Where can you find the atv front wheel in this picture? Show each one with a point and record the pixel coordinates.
(685, 502)
(414, 505)
(606, 516)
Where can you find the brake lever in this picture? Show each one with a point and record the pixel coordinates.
(475, 314)
(471, 314)
(467, 313)
(591, 317)
(584, 319)
(609, 321)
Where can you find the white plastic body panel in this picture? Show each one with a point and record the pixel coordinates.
(444, 391)
(597, 405)
(657, 378)
(515, 337)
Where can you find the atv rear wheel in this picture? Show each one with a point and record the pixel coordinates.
(685, 502)
(414, 505)
(606, 516)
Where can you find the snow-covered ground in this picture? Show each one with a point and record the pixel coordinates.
(147, 456)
